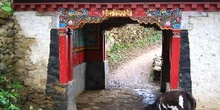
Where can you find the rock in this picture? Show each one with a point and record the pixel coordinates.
(3, 32)
(10, 24)
(157, 63)
(8, 62)
(8, 40)
(96, 107)
(2, 66)
(10, 66)
(6, 51)
(3, 14)
(5, 27)
(18, 36)
(2, 21)
(10, 33)
(17, 28)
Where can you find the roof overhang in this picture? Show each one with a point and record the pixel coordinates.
(109, 1)
(185, 6)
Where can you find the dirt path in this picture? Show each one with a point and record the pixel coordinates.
(135, 74)
(116, 99)
(129, 86)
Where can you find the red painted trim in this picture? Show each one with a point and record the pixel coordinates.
(93, 55)
(78, 58)
(63, 56)
(175, 57)
(186, 6)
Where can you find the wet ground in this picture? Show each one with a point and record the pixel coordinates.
(129, 87)
(116, 99)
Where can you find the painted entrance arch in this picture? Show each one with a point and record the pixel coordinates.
(166, 19)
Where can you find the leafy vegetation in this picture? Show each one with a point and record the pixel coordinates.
(9, 88)
(6, 6)
(142, 37)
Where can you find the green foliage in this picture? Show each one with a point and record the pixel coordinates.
(9, 87)
(153, 39)
(6, 99)
(6, 6)
(118, 50)
(107, 36)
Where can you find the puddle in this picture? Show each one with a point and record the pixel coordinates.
(147, 96)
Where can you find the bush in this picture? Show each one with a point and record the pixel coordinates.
(9, 87)
(6, 6)
(8, 91)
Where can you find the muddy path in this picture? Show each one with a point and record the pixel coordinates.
(129, 86)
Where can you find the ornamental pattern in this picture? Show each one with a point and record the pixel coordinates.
(76, 19)
(164, 18)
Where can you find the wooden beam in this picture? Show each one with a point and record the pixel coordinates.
(63, 56)
(175, 58)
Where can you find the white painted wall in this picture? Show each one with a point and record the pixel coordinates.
(37, 27)
(204, 39)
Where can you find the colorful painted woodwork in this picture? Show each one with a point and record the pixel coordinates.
(164, 18)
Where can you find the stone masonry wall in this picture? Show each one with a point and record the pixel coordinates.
(24, 44)
(7, 32)
(204, 38)
(185, 82)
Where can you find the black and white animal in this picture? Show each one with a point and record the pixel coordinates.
(173, 100)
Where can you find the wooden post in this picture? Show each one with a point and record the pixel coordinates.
(70, 52)
(63, 56)
(175, 58)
